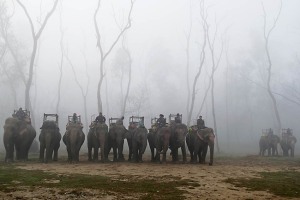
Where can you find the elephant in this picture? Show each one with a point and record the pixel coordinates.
(73, 139)
(198, 142)
(49, 141)
(139, 143)
(19, 135)
(116, 136)
(162, 141)
(97, 138)
(177, 140)
(287, 144)
(269, 143)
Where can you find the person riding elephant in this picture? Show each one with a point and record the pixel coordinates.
(49, 141)
(115, 140)
(200, 123)
(177, 140)
(75, 118)
(287, 144)
(73, 139)
(178, 119)
(161, 121)
(269, 142)
(97, 138)
(20, 114)
(198, 142)
(19, 135)
(100, 118)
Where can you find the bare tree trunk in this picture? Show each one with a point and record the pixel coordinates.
(129, 79)
(103, 55)
(35, 37)
(215, 65)
(61, 61)
(83, 92)
(266, 38)
(202, 58)
(187, 51)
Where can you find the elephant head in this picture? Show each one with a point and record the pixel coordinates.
(162, 142)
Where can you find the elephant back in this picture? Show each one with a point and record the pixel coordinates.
(11, 124)
(288, 140)
(49, 124)
(117, 129)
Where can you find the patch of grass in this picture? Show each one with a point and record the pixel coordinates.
(162, 188)
(284, 183)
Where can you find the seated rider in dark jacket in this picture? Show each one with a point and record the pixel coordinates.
(200, 123)
(161, 121)
(20, 114)
(75, 118)
(100, 118)
(177, 119)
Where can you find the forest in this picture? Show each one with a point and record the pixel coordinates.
(236, 63)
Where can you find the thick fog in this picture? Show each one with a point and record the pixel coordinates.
(162, 69)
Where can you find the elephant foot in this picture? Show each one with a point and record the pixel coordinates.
(121, 159)
(210, 164)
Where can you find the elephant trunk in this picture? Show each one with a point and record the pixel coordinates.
(48, 141)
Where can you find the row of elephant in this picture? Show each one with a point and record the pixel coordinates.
(19, 135)
(269, 143)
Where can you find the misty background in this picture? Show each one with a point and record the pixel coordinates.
(167, 43)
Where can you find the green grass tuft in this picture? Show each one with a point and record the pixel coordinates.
(162, 188)
(284, 183)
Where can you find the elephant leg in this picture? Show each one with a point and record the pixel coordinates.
(134, 151)
(152, 154)
(204, 152)
(120, 152)
(115, 159)
(42, 152)
(69, 153)
(130, 148)
(96, 150)
(292, 152)
(183, 151)
(157, 155)
(55, 155)
(9, 155)
(90, 152)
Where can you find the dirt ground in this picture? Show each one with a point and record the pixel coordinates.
(210, 178)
